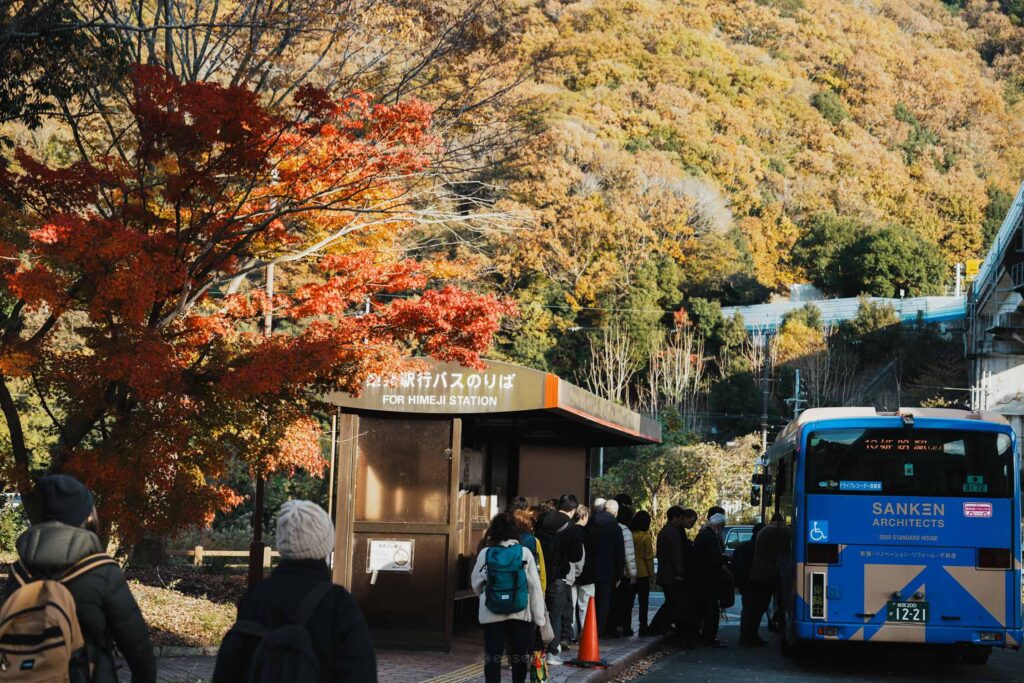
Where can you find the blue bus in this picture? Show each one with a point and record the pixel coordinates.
(905, 527)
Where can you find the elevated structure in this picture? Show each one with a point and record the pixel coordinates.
(994, 323)
(767, 318)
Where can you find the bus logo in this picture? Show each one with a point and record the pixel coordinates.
(818, 532)
(977, 510)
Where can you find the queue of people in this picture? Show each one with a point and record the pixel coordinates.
(539, 569)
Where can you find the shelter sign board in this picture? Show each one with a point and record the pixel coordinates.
(449, 388)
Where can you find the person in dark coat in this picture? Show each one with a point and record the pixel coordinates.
(677, 611)
(107, 611)
(562, 542)
(741, 564)
(341, 639)
(689, 521)
(770, 550)
(609, 560)
(704, 572)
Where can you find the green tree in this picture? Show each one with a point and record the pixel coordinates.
(999, 202)
(817, 251)
(892, 259)
(809, 315)
(706, 315)
(830, 106)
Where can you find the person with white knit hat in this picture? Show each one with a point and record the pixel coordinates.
(304, 531)
(339, 634)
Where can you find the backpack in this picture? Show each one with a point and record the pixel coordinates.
(530, 542)
(40, 637)
(285, 653)
(506, 588)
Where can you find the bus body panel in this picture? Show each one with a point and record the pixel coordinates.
(910, 548)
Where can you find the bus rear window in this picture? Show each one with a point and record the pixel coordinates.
(909, 462)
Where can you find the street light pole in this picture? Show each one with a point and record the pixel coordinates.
(257, 545)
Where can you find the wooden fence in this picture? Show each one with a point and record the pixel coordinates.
(198, 553)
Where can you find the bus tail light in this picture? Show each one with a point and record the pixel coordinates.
(989, 637)
(822, 553)
(994, 558)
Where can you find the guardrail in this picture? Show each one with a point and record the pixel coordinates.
(198, 553)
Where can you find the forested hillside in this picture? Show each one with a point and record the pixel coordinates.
(693, 147)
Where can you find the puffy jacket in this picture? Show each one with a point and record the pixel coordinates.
(340, 636)
(535, 611)
(643, 546)
(629, 550)
(609, 548)
(107, 611)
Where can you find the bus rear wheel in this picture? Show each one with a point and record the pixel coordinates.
(976, 655)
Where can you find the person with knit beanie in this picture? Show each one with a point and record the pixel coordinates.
(65, 536)
(340, 636)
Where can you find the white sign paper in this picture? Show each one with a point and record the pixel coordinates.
(388, 555)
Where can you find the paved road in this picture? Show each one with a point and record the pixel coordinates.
(735, 664)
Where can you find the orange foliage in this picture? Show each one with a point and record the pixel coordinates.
(173, 376)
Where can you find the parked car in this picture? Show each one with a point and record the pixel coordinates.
(735, 536)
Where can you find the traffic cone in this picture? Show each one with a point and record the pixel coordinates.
(589, 655)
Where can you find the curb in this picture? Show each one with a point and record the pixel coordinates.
(184, 651)
(619, 665)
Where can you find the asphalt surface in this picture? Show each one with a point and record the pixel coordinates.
(842, 661)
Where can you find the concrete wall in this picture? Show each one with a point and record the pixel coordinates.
(548, 472)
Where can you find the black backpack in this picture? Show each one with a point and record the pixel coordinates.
(285, 653)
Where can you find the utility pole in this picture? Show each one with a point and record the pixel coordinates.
(257, 545)
(764, 428)
(795, 401)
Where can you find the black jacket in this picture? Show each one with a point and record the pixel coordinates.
(107, 611)
(705, 565)
(339, 632)
(671, 564)
(586, 577)
(562, 543)
(741, 563)
(609, 548)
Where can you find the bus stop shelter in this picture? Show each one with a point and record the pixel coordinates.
(425, 459)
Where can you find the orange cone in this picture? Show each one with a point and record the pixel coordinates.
(589, 655)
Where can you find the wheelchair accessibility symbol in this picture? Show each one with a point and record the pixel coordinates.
(818, 532)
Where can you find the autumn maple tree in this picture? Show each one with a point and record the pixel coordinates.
(141, 259)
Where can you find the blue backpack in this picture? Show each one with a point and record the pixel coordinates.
(506, 589)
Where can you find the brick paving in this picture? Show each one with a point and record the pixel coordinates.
(462, 665)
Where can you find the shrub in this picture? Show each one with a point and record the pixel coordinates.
(830, 106)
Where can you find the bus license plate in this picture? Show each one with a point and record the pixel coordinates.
(912, 612)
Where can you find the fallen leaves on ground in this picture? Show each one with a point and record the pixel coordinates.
(219, 587)
(178, 619)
